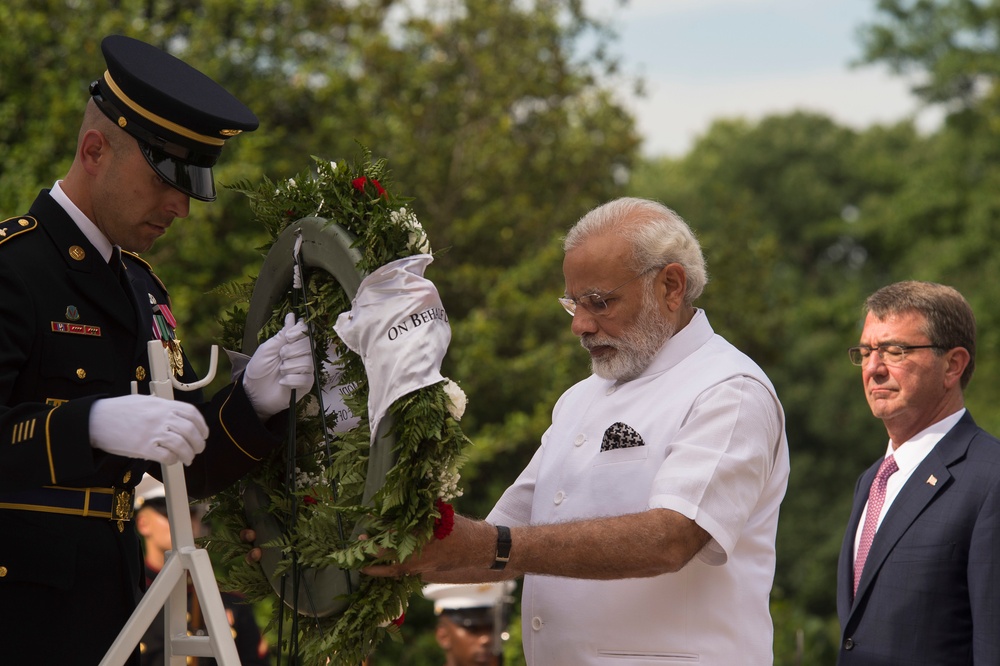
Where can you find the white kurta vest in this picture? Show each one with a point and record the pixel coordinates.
(713, 611)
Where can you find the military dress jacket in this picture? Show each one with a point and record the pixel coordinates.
(73, 332)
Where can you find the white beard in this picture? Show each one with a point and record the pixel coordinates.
(635, 348)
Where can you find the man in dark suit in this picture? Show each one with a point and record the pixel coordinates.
(918, 581)
(77, 311)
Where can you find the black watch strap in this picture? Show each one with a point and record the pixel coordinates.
(503, 548)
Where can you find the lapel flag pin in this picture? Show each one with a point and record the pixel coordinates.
(932, 480)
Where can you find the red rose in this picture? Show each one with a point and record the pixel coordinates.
(360, 182)
(309, 499)
(400, 620)
(446, 523)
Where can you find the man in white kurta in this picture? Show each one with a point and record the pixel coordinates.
(713, 451)
(645, 523)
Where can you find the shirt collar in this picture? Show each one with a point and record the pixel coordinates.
(912, 452)
(89, 229)
(681, 344)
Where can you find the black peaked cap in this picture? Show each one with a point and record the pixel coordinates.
(180, 117)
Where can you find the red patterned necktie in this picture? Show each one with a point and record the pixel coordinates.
(875, 500)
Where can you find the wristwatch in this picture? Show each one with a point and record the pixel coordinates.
(503, 548)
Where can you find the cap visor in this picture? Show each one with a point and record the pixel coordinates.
(194, 181)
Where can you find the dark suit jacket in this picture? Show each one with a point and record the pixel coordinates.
(930, 591)
(68, 583)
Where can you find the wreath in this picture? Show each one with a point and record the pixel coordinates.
(316, 490)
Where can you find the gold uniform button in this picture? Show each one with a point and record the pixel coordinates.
(23, 222)
(3, 571)
(127, 477)
(81, 373)
(140, 373)
(77, 252)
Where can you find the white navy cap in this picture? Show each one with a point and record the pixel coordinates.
(468, 604)
(149, 488)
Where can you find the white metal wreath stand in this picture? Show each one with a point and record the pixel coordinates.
(169, 589)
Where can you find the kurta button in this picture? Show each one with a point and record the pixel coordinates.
(560, 496)
(81, 373)
(140, 373)
(3, 571)
(580, 439)
(127, 477)
(611, 389)
(536, 623)
(849, 644)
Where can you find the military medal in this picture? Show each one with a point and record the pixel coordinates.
(176, 357)
(164, 324)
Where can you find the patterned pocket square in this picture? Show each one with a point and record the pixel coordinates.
(620, 436)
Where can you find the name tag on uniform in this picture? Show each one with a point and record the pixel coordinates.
(76, 329)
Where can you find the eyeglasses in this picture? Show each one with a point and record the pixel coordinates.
(597, 304)
(890, 354)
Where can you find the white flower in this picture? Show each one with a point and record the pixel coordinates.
(447, 480)
(305, 480)
(456, 399)
(417, 239)
(333, 166)
(291, 183)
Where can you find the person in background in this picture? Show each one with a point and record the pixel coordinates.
(645, 523)
(153, 525)
(918, 580)
(471, 621)
(78, 309)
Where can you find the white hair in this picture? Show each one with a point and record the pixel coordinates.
(658, 237)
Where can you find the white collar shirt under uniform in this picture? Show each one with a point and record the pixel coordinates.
(910, 454)
(89, 229)
(700, 432)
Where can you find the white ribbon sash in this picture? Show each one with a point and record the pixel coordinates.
(399, 327)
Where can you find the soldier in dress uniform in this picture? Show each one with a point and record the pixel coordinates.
(75, 320)
(472, 621)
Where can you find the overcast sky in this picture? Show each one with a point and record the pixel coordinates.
(707, 59)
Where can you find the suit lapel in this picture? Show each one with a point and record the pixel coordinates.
(139, 296)
(914, 497)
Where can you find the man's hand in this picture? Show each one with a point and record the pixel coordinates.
(248, 535)
(471, 544)
(282, 363)
(148, 427)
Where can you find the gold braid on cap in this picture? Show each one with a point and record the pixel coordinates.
(159, 120)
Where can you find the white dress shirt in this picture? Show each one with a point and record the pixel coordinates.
(89, 229)
(908, 456)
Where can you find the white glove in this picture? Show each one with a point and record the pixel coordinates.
(148, 427)
(284, 362)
